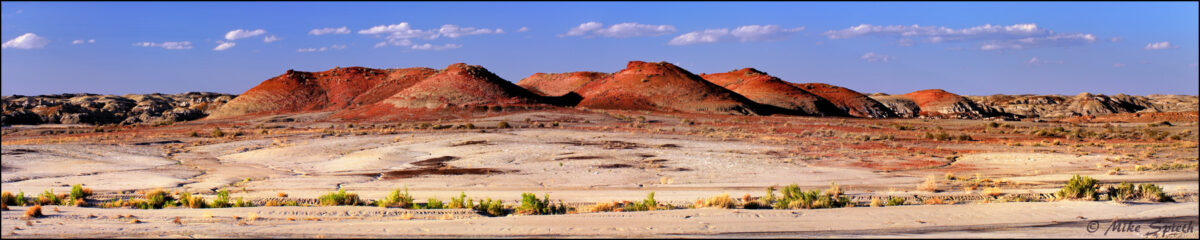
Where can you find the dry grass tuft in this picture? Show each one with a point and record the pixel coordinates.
(718, 201)
(282, 194)
(135, 221)
(406, 216)
(177, 221)
(992, 192)
(34, 212)
(876, 202)
(929, 185)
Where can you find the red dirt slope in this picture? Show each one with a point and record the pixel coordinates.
(769, 90)
(334, 89)
(852, 102)
(937, 102)
(661, 86)
(558, 84)
(461, 85)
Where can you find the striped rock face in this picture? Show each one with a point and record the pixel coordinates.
(662, 86)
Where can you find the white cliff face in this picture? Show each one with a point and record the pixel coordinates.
(109, 109)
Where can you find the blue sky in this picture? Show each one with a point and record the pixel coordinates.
(968, 48)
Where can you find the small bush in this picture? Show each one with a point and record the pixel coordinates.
(895, 201)
(992, 192)
(503, 124)
(48, 198)
(397, 199)
(491, 208)
(460, 202)
(34, 212)
(340, 198)
(1079, 187)
(155, 199)
(718, 201)
(876, 202)
(187, 200)
(282, 194)
(8, 199)
(216, 132)
(433, 203)
(222, 200)
(1153, 193)
(530, 205)
(793, 198)
(930, 184)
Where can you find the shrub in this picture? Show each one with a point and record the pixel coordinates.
(397, 199)
(992, 192)
(1079, 187)
(339, 198)
(503, 124)
(718, 201)
(48, 198)
(222, 200)
(1153, 193)
(876, 202)
(156, 199)
(8, 198)
(187, 200)
(241, 203)
(895, 201)
(530, 205)
(460, 202)
(930, 184)
(282, 194)
(34, 212)
(216, 132)
(433, 203)
(491, 208)
(793, 197)
(649, 204)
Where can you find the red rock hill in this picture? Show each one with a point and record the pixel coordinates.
(769, 90)
(335, 89)
(852, 102)
(662, 86)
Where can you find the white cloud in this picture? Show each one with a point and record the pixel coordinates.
(620, 30)
(435, 47)
(1037, 61)
(329, 30)
(81, 41)
(1115, 39)
(224, 45)
(322, 49)
(242, 33)
(271, 39)
(1159, 46)
(583, 28)
(872, 57)
(748, 33)
(991, 37)
(1118, 65)
(26, 41)
(523, 29)
(402, 33)
(454, 31)
(166, 45)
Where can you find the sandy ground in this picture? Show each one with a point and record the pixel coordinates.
(1048, 220)
(592, 158)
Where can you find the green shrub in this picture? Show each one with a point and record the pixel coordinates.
(895, 201)
(460, 202)
(649, 204)
(222, 200)
(1124, 191)
(397, 199)
(795, 198)
(491, 208)
(155, 199)
(530, 205)
(187, 200)
(434, 204)
(1079, 187)
(48, 198)
(340, 198)
(1153, 193)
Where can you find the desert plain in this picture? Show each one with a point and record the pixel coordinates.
(966, 174)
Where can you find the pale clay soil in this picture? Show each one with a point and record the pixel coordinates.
(569, 165)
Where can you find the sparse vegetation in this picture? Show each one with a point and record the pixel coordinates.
(491, 208)
(34, 212)
(216, 132)
(1127, 191)
(930, 184)
(530, 205)
(718, 201)
(895, 201)
(795, 198)
(1079, 187)
(340, 198)
(397, 199)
